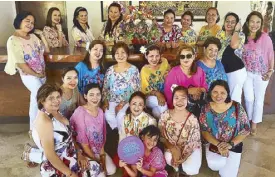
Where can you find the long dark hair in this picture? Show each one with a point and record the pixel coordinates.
(49, 16)
(86, 60)
(109, 29)
(246, 29)
(75, 21)
(194, 66)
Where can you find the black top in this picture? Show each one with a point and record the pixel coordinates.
(231, 62)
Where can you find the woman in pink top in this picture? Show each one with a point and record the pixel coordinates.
(258, 57)
(89, 124)
(187, 74)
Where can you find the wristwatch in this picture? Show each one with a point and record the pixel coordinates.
(232, 144)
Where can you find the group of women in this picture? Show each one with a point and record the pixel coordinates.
(173, 104)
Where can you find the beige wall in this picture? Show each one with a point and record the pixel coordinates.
(7, 14)
(7, 10)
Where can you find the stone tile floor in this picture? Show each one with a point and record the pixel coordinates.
(258, 159)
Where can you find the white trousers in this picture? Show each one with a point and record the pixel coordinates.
(227, 166)
(113, 119)
(152, 103)
(254, 94)
(191, 166)
(36, 155)
(236, 81)
(33, 84)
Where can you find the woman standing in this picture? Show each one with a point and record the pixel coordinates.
(53, 29)
(258, 57)
(188, 35)
(91, 69)
(213, 68)
(232, 40)
(224, 125)
(170, 31)
(25, 54)
(212, 17)
(180, 133)
(81, 32)
(111, 31)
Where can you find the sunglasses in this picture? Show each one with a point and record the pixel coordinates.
(188, 56)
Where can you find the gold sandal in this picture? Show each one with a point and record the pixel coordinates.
(25, 156)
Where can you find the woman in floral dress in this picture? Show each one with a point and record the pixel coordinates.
(188, 35)
(180, 132)
(53, 29)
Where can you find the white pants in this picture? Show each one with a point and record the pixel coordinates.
(36, 155)
(33, 84)
(113, 119)
(152, 103)
(236, 81)
(227, 166)
(254, 93)
(192, 164)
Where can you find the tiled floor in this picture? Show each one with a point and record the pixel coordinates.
(258, 159)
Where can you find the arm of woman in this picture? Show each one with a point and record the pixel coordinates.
(88, 152)
(44, 40)
(236, 38)
(270, 55)
(27, 70)
(45, 132)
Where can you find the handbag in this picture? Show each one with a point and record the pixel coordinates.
(239, 147)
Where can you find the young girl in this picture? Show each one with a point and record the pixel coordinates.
(186, 74)
(89, 124)
(152, 80)
(136, 118)
(153, 162)
(180, 132)
(91, 69)
(121, 80)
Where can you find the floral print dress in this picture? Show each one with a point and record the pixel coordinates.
(172, 36)
(156, 160)
(222, 125)
(120, 86)
(132, 126)
(188, 37)
(154, 79)
(116, 35)
(185, 135)
(52, 37)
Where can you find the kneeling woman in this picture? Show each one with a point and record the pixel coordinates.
(89, 123)
(180, 133)
(224, 125)
(53, 135)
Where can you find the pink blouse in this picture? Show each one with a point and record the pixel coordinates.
(90, 130)
(258, 56)
(177, 77)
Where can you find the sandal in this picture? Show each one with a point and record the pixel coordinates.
(25, 156)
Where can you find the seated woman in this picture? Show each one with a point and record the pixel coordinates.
(91, 69)
(111, 31)
(180, 133)
(152, 78)
(212, 17)
(81, 32)
(213, 68)
(136, 118)
(224, 125)
(26, 54)
(153, 162)
(170, 32)
(186, 74)
(121, 80)
(232, 40)
(53, 29)
(188, 35)
(53, 136)
(89, 124)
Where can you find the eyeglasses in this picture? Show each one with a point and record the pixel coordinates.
(188, 56)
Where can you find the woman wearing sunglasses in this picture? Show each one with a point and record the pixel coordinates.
(213, 68)
(187, 74)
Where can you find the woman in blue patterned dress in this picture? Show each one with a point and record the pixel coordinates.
(91, 69)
